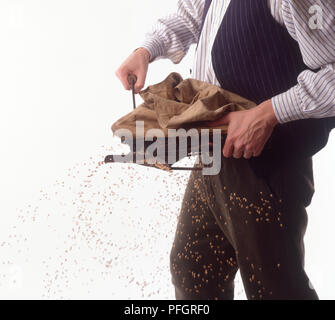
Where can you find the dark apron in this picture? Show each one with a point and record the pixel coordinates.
(255, 57)
(251, 216)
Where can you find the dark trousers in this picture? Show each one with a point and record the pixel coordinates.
(248, 217)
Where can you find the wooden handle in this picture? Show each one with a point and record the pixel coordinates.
(132, 79)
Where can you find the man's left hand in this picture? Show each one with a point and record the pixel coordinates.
(248, 131)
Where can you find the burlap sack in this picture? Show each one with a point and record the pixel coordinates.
(176, 103)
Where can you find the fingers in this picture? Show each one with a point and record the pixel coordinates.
(122, 74)
(232, 148)
(259, 150)
(238, 152)
(229, 151)
(140, 81)
(228, 148)
(136, 64)
(248, 154)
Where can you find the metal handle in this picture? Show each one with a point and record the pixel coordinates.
(132, 80)
(111, 159)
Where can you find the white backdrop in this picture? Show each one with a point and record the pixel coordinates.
(70, 228)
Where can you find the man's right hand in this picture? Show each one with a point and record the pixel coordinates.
(137, 63)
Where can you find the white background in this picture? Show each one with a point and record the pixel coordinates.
(58, 99)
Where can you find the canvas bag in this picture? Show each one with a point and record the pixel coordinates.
(178, 104)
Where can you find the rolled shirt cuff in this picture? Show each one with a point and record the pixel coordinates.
(154, 46)
(287, 106)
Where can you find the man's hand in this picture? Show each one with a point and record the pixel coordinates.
(137, 63)
(248, 131)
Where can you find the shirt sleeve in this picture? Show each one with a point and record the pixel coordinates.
(312, 24)
(172, 35)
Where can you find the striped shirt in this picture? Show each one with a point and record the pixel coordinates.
(310, 22)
